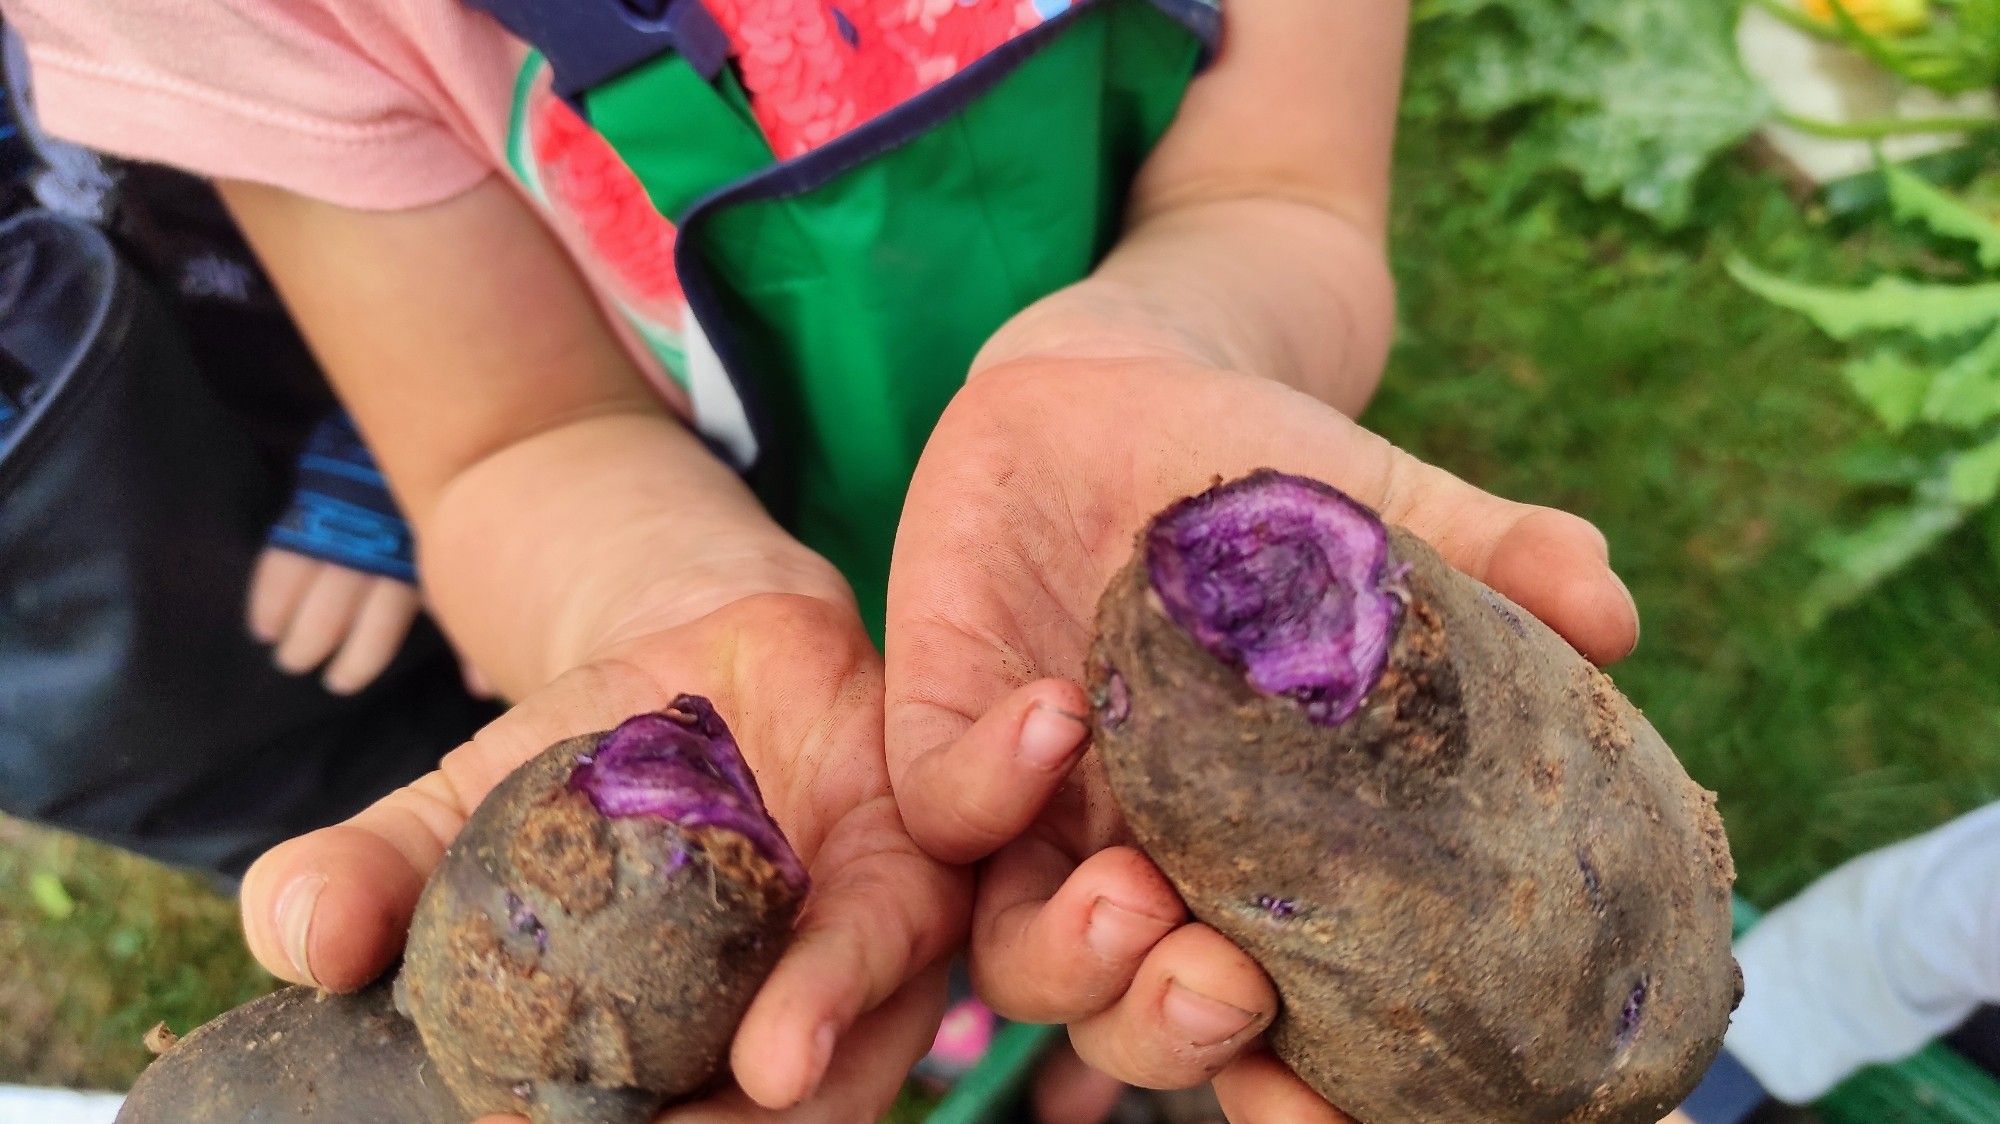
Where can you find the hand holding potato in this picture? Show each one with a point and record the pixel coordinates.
(1023, 507)
(854, 1001)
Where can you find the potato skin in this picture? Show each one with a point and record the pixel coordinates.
(297, 1056)
(1491, 894)
(582, 968)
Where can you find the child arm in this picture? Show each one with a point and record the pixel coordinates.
(591, 555)
(1241, 322)
(1256, 233)
(552, 493)
(1873, 960)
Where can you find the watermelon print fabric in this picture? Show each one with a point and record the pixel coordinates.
(816, 69)
(813, 70)
(583, 178)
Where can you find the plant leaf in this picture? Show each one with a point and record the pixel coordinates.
(1966, 393)
(1917, 199)
(1634, 97)
(1892, 386)
(1859, 560)
(1972, 477)
(1888, 304)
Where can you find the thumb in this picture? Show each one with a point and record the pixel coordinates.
(969, 795)
(1553, 564)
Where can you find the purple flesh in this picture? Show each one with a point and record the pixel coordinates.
(521, 920)
(683, 766)
(1629, 1015)
(1286, 580)
(1280, 908)
(1593, 885)
(1117, 704)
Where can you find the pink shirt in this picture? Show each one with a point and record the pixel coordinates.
(395, 104)
(376, 104)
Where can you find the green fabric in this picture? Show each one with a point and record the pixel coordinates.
(862, 302)
(681, 136)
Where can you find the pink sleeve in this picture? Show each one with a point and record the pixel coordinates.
(320, 97)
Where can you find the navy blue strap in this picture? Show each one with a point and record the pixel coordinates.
(18, 387)
(1203, 17)
(590, 42)
(342, 511)
(1727, 1095)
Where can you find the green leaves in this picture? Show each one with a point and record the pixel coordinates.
(1930, 312)
(1634, 97)
(1960, 487)
(1857, 561)
(1972, 478)
(1950, 388)
(1893, 387)
(1917, 199)
(1966, 393)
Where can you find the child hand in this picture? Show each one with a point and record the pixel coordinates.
(856, 999)
(1025, 503)
(310, 610)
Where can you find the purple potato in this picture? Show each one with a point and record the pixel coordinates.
(1484, 887)
(588, 945)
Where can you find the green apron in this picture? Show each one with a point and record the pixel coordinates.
(847, 290)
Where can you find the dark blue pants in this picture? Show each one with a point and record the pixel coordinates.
(135, 493)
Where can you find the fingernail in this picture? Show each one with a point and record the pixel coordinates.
(1049, 737)
(823, 1040)
(295, 914)
(1201, 1020)
(1638, 623)
(1117, 933)
(341, 685)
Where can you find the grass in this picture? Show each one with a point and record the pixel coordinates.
(1552, 350)
(99, 947)
(1563, 353)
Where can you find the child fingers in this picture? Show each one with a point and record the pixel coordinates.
(881, 913)
(966, 798)
(373, 639)
(1056, 944)
(330, 909)
(476, 683)
(1553, 563)
(867, 1071)
(321, 622)
(276, 585)
(1259, 1089)
(1197, 1002)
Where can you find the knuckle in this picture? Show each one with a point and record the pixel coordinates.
(976, 823)
(1137, 1058)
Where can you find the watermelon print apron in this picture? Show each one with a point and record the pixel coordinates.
(817, 211)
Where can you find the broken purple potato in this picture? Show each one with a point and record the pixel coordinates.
(586, 948)
(1484, 887)
(684, 767)
(583, 954)
(1285, 580)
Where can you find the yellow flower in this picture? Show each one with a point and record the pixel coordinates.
(1877, 17)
